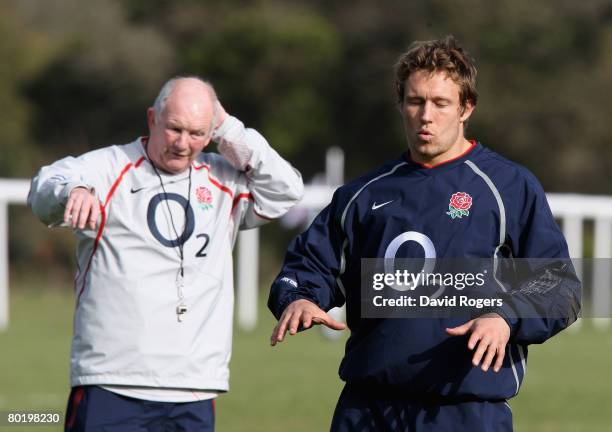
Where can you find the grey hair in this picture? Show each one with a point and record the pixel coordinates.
(162, 98)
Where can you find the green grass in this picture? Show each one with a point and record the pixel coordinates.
(294, 386)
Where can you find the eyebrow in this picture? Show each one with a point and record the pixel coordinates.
(175, 124)
(434, 99)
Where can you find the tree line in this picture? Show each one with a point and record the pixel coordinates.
(76, 76)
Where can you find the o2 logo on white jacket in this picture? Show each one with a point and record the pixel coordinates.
(189, 219)
(189, 224)
(391, 252)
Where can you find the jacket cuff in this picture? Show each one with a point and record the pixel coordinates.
(68, 187)
(509, 315)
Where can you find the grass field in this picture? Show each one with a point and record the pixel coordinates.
(294, 386)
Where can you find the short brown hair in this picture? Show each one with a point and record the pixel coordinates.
(440, 55)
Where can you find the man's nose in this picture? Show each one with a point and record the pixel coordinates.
(182, 141)
(427, 112)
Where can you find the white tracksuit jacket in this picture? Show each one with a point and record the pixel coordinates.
(126, 330)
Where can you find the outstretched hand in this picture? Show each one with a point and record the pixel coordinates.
(82, 208)
(302, 312)
(491, 332)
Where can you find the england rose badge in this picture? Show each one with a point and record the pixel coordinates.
(459, 205)
(204, 197)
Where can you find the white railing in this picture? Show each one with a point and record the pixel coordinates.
(11, 192)
(572, 210)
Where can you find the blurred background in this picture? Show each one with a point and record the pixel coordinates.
(309, 75)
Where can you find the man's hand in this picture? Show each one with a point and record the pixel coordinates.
(491, 332)
(220, 114)
(302, 312)
(235, 150)
(82, 208)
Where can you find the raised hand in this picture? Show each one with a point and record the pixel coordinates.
(82, 208)
(302, 312)
(491, 332)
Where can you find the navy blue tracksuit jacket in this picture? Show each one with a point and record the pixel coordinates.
(508, 215)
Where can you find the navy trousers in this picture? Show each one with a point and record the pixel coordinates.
(360, 410)
(93, 409)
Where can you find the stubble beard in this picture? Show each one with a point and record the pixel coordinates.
(426, 151)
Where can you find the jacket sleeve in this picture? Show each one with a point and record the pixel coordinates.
(312, 265)
(271, 186)
(51, 187)
(546, 293)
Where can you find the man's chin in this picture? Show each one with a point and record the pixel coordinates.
(425, 153)
(426, 148)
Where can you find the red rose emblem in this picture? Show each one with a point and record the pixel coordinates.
(461, 201)
(204, 196)
(459, 205)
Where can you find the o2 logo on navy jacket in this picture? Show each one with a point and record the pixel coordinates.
(429, 251)
(189, 225)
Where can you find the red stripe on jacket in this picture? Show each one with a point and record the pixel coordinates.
(103, 219)
(229, 191)
(213, 180)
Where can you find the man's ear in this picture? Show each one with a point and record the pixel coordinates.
(151, 117)
(466, 111)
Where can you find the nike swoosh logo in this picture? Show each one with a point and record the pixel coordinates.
(377, 206)
(136, 190)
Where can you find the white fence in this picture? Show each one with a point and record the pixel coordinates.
(11, 192)
(571, 210)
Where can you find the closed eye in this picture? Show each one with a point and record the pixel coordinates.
(441, 102)
(414, 101)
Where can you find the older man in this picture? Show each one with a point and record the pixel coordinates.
(155, 222)
(446, 197)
